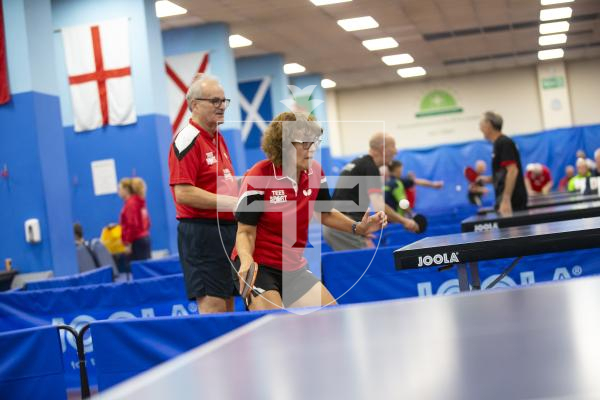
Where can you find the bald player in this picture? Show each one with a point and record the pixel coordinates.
(360, 184)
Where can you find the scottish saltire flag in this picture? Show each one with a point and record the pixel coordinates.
(257, 110)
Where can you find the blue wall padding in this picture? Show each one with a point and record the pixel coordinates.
(367, 275)
(93, 277)
(125, 348)
(31, 365)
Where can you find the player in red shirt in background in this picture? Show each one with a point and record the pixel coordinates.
(134, 219)
(279, 196)
(538, 179)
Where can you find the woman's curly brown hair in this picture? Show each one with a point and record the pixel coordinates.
(275, 137)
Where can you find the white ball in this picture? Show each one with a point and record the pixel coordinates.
(404, 204)
(458, 188)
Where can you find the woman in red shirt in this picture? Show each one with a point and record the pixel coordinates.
(134, 219)
(278, 198)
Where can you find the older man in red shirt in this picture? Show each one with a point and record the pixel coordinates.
(538, 179)
(205, 193)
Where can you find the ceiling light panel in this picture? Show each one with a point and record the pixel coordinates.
(380, 44)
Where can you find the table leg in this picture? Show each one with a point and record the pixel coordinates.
(463, 279)
(475, 281)
(504, 273)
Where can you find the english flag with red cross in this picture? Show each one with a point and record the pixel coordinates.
(99, 68)
(181, 70)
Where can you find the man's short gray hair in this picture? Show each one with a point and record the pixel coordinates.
(195, 89)
(494, 119)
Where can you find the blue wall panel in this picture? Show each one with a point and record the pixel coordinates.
(32, 149)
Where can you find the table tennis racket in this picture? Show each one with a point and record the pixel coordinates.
(248, 279)
(471, 174)
(421, 220)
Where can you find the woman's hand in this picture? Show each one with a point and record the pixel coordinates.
(371, 223)
(243, 272)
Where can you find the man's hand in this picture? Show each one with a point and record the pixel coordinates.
(505, 207)
(410, 225)
(370, 224)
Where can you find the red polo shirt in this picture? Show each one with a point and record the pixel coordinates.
(538, 182)
(199, 159)
(134, 219)
(281, 210)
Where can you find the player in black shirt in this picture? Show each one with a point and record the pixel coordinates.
(359, 185)
(507, 172)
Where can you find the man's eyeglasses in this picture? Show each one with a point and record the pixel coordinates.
(309, 143)
(215, 101)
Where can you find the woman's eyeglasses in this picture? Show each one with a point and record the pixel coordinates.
(215, 101)
(309, 143)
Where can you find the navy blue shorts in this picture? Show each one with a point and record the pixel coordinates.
(204, 251)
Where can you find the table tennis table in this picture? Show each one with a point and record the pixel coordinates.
(552, 199)
(564, 212)
(560, 199)
(467, 249)
(520, 343)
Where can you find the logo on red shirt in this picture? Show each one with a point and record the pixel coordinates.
(278, 197)
(210, 158)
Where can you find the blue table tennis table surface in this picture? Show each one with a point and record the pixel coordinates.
(523, 343)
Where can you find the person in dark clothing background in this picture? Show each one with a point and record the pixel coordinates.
(507, 172)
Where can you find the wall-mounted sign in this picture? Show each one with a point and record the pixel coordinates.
(553, 82)
(438, 102)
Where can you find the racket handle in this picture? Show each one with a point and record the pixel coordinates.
(248, 280)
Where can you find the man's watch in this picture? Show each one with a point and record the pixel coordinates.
(354, 225)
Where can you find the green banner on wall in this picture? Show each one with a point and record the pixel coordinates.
(438, 102)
